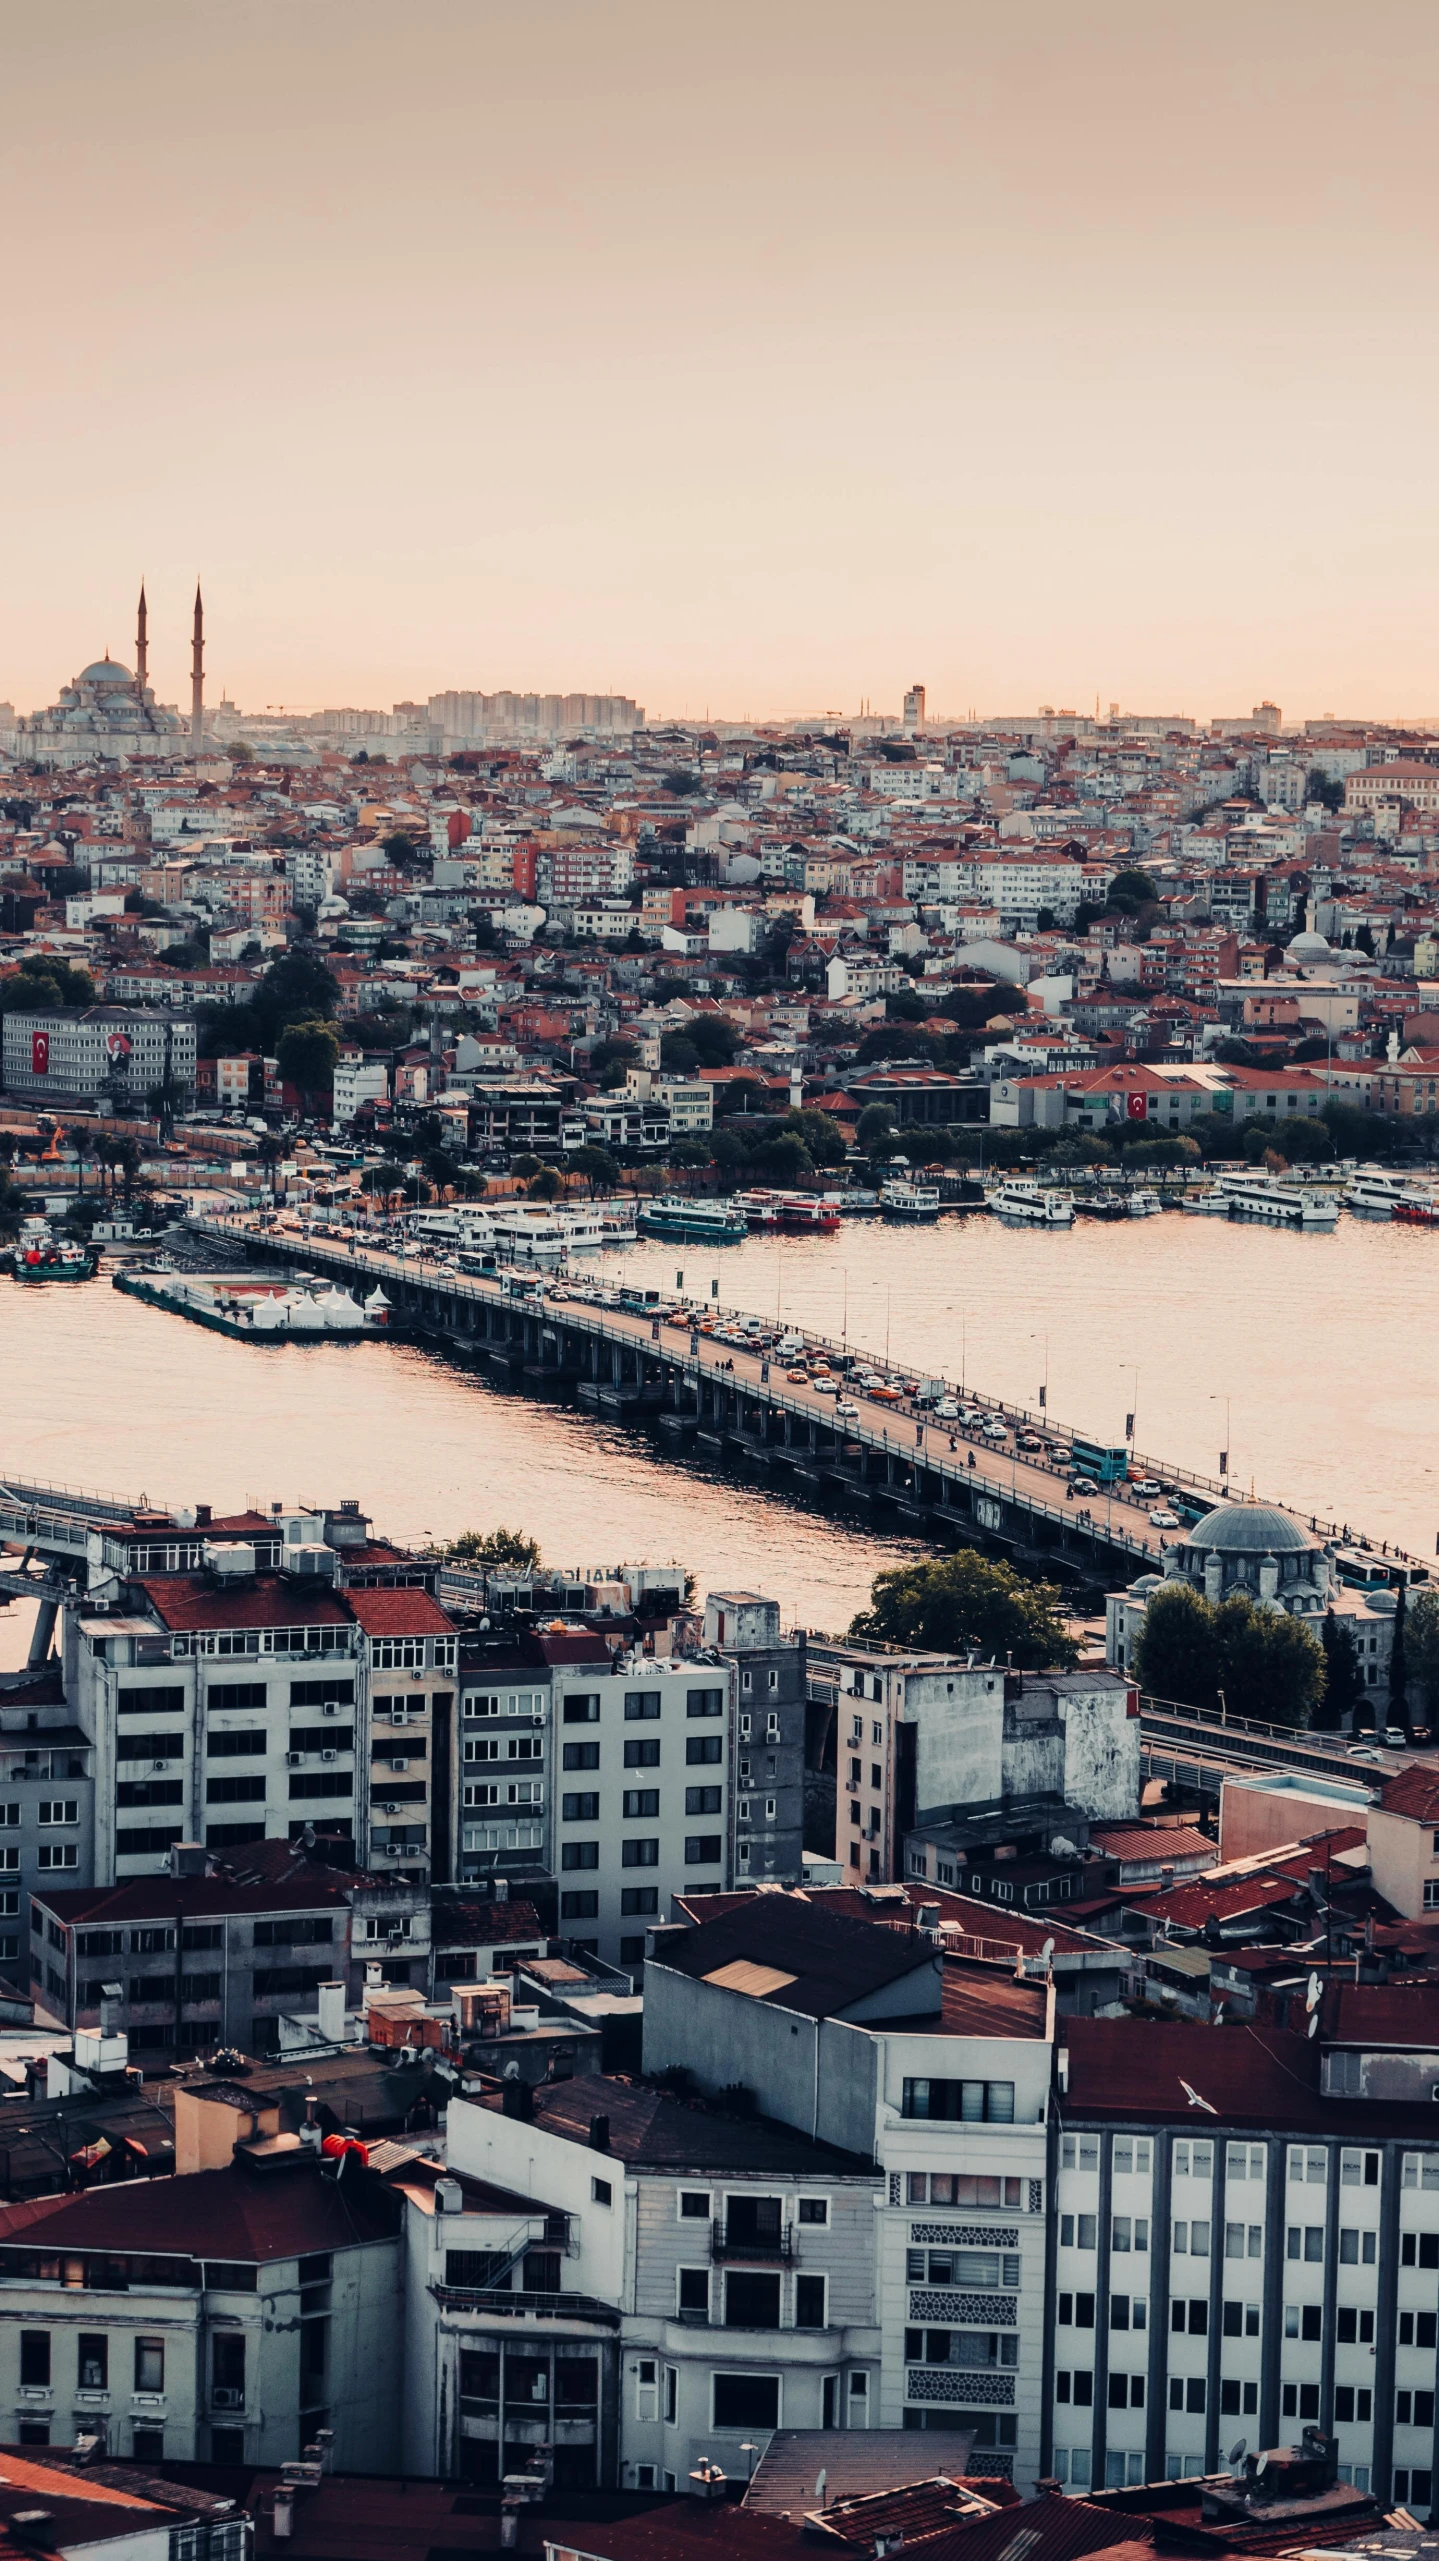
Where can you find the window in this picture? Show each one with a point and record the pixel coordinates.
(57, 1810)
(1353, 2328)
(814, 2209)
(809, 2302)
(601, 2192)
(57, 1854)
(1358, 2169)
(580, 1854)
(966, 2102)
(641, 1804)
(639, 1902)
(640, 1853)
(1244, 2240)
(700, 1748)
(227, 2366)
(702, 1800)
(642, 1752)
(1129, 2232)
(579, 1907)
(1188, 2392)
(1356, 2248)
(641, 1706)
(1307, 2165)
(1238, 2400)
(147, 2445)
(746, 2401)
(1299, 2401)
(693, 2205)
(1427, 2253)
(576, 1756)
(1129, 2154)
(330, 1693)
(1353, 2406)
(1075, 2386)
(1307, 2242)
(236, 1791)
(1241, 2320)
(1192, 2238)
(231, 2276)
(1190, 2314)
(693, 2293)
(751, 2299)
(1126, 2391)
(1078, 2231)
(1411, 2489)
(149, 2365)
(248, 1745)
(1193, 2160)
(583, 1808)
(1414, 2409)
(1416, 2329)
(672, 2403)
(34, 2359)
(704, 1703)
(1079, 2152)
(703, 1849)
(583, 1708)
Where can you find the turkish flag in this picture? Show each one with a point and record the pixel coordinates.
(1137, 1107)
(40, 1053)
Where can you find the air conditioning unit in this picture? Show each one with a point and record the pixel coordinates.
(293, 1760)
(399, 1716)
(390, 1807)
(159, 1765)
(331, 1707)
(399, 1765)
(329, 1756)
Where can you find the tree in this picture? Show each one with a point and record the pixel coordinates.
(307, 1055)
(1304, 1142)
(713, 1038)
(43, 983)
(1422, 1648)
(597, 1165)
(687, 1154)
(965, 1603)
(1343, 1674)
(547, 1184)
(819, 1133)
(876, 1121)
(1132, 888)
(1177, 1655)
(524, 1165)
(680, 783)
(496, 1551)
(1319, 787)
(1399, 1662)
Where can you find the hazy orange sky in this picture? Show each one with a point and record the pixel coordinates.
(742, 357)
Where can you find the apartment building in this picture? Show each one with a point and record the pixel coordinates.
(766, 1802)
(47, 1803)
(85, 1054)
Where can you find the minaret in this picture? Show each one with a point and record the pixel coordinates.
(142, 644)
(197, 679)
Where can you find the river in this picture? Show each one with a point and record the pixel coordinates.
(1320, 1343)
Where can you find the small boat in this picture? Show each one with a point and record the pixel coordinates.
(1205, 1203)
(789, 1213)
(40, 1255)
(909, 1200)
(1418, 1206)
(707, 1222)
(1372, 1194)
(1031, 1205)
(1144, 1205)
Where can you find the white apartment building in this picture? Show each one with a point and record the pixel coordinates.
(646, 1750)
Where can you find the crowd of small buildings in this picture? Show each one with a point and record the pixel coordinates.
(554, 928)
(617, 2100)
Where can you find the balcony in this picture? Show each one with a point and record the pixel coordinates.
(493, 2303)
(752, 2239)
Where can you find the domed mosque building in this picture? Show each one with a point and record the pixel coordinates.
(1278, 1562)
(107, 712)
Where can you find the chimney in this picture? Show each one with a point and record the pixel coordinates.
(599, 2134)
(500, 1889)
(282, 2522)
(187, 1858)
(332, 2013)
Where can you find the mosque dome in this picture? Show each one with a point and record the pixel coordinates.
(106, 671)
(1251, 1529)
(1308, 946)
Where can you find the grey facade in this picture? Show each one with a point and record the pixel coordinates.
(98, 1053)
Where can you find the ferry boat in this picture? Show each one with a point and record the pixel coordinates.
(534, 1231)
(791, 1213)
(909, 1200)
(706, 1222)
(1372, 1194)
(1144, 1205)
(1207, 1202)
(1282, 1204)
(1030, 1205)
(42, 1256)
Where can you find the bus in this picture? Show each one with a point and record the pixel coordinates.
(1106, 1462)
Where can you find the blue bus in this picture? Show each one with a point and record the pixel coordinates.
(1106, 1462)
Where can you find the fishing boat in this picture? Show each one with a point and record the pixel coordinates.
(706, 1222)
(1030, 1205)
(41, 1255)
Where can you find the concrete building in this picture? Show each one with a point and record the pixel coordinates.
(98, 1054)
(1404, 1842)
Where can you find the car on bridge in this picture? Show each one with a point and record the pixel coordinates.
(1162, 1517)
(1149, 1487)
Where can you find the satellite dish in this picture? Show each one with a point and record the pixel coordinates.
(1219, 2016)
(1261, 2467)
(1236, 2452)
(1046, 1952)
(1311, 1997)
(1314, 2024)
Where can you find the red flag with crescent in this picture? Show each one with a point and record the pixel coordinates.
(40, 1053)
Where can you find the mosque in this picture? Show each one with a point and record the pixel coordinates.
(107, 712)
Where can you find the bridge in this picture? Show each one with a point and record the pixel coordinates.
(922, 1478)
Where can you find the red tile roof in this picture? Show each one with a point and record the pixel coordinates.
(403, 1611)
(1414, 1792)
(195, 1601)
(237, 2213)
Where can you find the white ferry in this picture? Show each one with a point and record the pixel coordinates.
(1030, 1205)
(1282, 1204)
(1372, 1194)
(1207, 1202)
(909, 1200)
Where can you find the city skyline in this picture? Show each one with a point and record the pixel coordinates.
(739, 375)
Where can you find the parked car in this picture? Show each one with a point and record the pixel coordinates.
(1396, 1738)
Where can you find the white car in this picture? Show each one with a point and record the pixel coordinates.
(1147, 1486)
(847, 1407)
(995, 1431)
(825, 1386)
(1162, 1517)
(946, 1411)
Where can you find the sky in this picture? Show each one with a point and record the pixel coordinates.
(749, 359)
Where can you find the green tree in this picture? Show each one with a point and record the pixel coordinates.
(1177, 1655)
(964, 1602)
(1343, 1673)
(817, 1132)
(1319, 787)
(680, 782)
(876, 1121)
(307, 1054)
(713, 1038)
(1132, 888)
(690, 1152)
(547, 1184)
(1271, 1666)
(496, 1551)
(598, 1167)
(1304, 1142)
(43, 983)
(1422, 1647)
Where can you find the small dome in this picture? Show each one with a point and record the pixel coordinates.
(1308, 947)
(105, 671)
(1252, 1529)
